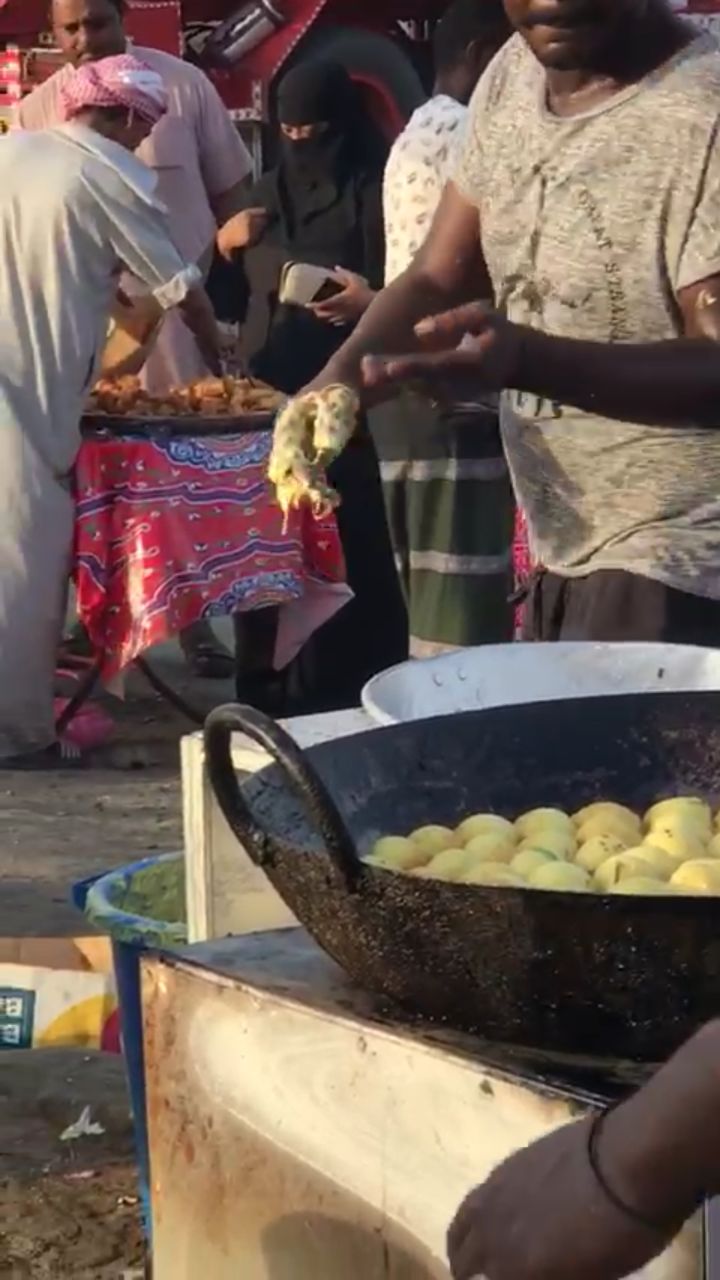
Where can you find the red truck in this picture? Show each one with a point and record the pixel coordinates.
(245, 46)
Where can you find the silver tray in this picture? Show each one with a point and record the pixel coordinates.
(505, 675)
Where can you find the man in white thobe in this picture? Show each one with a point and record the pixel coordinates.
(75, 203)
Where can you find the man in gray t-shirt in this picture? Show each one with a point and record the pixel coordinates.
(594, 226)
(590, 189)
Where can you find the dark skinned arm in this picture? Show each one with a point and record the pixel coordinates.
(674, 383)
(448, 270)
(657, 1151)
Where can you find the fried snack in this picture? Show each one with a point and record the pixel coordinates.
(310, 432)
(214, 388)
(207, 397)
(254, 397)
(116, 395)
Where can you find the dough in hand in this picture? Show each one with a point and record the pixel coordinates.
(701, 876)
(594, 852)
(565, 877)
(535, 820)
(433, 839)
(484, 824)
(643, 886)
(494, 874)
(494, 847)
(395, 853)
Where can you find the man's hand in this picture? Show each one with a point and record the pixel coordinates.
(349, 305)
(198, 314)
(490, 351)
(242, 231)
(542, 1215)
(470, 349)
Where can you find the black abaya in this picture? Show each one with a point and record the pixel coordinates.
(327, 210)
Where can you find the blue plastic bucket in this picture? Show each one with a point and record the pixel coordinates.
(101, 899)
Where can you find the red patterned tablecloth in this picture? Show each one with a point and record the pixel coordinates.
(173, 530)
(522, 565)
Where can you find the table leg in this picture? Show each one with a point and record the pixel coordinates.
(169, 694)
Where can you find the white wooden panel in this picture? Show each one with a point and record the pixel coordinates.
(227, 893)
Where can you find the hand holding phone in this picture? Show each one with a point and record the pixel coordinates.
(348, 301)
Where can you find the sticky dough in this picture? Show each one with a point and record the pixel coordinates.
(310, 431)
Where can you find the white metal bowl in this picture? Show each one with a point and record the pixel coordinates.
(504, 674)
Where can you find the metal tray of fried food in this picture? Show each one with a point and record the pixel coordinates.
(206, 407)
(94, 426)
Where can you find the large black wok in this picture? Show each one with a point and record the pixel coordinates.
(626, 977)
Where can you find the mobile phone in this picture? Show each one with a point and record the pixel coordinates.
(302, 283)
(329, 289)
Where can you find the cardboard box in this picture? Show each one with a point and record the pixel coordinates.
(57, 992)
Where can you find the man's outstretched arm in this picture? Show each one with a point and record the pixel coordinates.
(675, 383)
(448, 269)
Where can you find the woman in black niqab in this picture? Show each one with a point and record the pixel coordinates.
(324, 206)
(315, 179)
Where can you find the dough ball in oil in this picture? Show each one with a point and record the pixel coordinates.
(680, 846)
(433, 839)
(611, 824)
(495, 875)
(448, 865)
(528, 860)
(643, 887)
(555, 840)
(594, 852)
(713, 848)
(490, 848)
(528, 824)
(663, 863)
(701, 877)
(564, 877)
(483, 824)
(621, 867)
(605, 809)
(681, 812)
(395, 853)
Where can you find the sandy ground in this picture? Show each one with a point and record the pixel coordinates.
(56, 828)
(68, 1211)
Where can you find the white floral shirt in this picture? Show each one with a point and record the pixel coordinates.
(422, 159)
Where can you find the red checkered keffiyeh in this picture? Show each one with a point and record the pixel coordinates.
(122, 81)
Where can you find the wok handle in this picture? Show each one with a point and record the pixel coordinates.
(299, 774)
